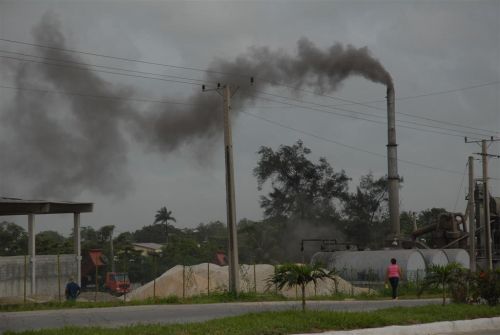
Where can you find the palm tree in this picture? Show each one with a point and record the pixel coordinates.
(441, 275)
(291, 275)
(163, 216)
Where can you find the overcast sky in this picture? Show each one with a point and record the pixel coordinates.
(426, 46)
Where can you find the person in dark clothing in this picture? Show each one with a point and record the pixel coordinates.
(393, 275)
(72, 290)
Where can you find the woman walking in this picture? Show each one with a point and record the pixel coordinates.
(393, 275)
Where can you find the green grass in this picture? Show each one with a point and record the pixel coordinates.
(297, 322)
(201, 299)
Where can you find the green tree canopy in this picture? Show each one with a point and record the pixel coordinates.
(52, 243)
(366, 212)
(13, 239)
(300, 188)
(163, 216)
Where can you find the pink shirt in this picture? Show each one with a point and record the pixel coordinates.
(393, 271)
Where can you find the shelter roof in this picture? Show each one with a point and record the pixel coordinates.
(14, 206)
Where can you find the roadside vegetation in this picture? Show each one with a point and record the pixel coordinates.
(292, 322)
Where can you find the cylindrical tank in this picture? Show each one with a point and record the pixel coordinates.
(372, 265)
(459, 256)
(434, 256)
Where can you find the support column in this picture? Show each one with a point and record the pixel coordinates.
(32, 251)
(77, 248)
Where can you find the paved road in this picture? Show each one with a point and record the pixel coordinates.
(479, 332)
(164, 314)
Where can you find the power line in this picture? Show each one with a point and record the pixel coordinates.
(101, 66)
(357, 117)
(371, 115)
(95, 96)
(192, 79)
(102, 71)
(269, 81)
(349, 146)
(123, 58)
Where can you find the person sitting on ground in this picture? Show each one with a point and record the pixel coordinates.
(72, 290)
(393, 275)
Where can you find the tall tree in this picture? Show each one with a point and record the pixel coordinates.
(13, 239)
(366, 212)
(163, 216)
(51, 243)
(300, 188)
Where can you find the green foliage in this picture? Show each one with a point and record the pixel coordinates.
(13, 239)
(300, 188)
(260, 242)
(163, 216)
(291, 275)
(442, 276)
(52, 243)
(366, 211)
(488, 286)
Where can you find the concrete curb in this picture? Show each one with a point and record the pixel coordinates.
(426, 328)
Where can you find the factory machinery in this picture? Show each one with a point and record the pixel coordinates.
(441, 242)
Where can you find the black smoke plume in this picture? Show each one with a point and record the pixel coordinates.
(59, 146)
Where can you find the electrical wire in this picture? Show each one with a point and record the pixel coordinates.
(101, 66)
(357, 117)
(95, 96)
(123, 58)
(348, 146)
(102, 71)
(366, 104)
(371, 115)
(273, 83)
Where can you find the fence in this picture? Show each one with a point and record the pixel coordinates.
(52, 273)
(205, 279)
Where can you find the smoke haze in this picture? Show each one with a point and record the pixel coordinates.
(59, 146)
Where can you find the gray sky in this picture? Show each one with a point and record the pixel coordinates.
(426, 46)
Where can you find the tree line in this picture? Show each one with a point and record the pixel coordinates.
(302, 199)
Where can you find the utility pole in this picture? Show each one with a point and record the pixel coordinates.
(234, 268)
(472, 222)
(486, 197)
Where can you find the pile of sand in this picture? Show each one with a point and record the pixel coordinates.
(208, 278)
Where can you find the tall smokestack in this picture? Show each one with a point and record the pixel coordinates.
(392, 164)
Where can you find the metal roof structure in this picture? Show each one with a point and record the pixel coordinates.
(14, 206)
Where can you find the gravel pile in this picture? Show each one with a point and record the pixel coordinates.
(207, 278)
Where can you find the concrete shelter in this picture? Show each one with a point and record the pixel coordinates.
(14, 206)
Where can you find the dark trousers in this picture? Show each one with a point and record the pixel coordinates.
(394, 284)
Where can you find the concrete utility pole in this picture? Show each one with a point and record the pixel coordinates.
(472, 222)
(234, 267)
(32, 251)
(486, 198)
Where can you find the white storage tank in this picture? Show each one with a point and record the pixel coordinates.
(459, 256)
(372, 265)
(434, 256)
